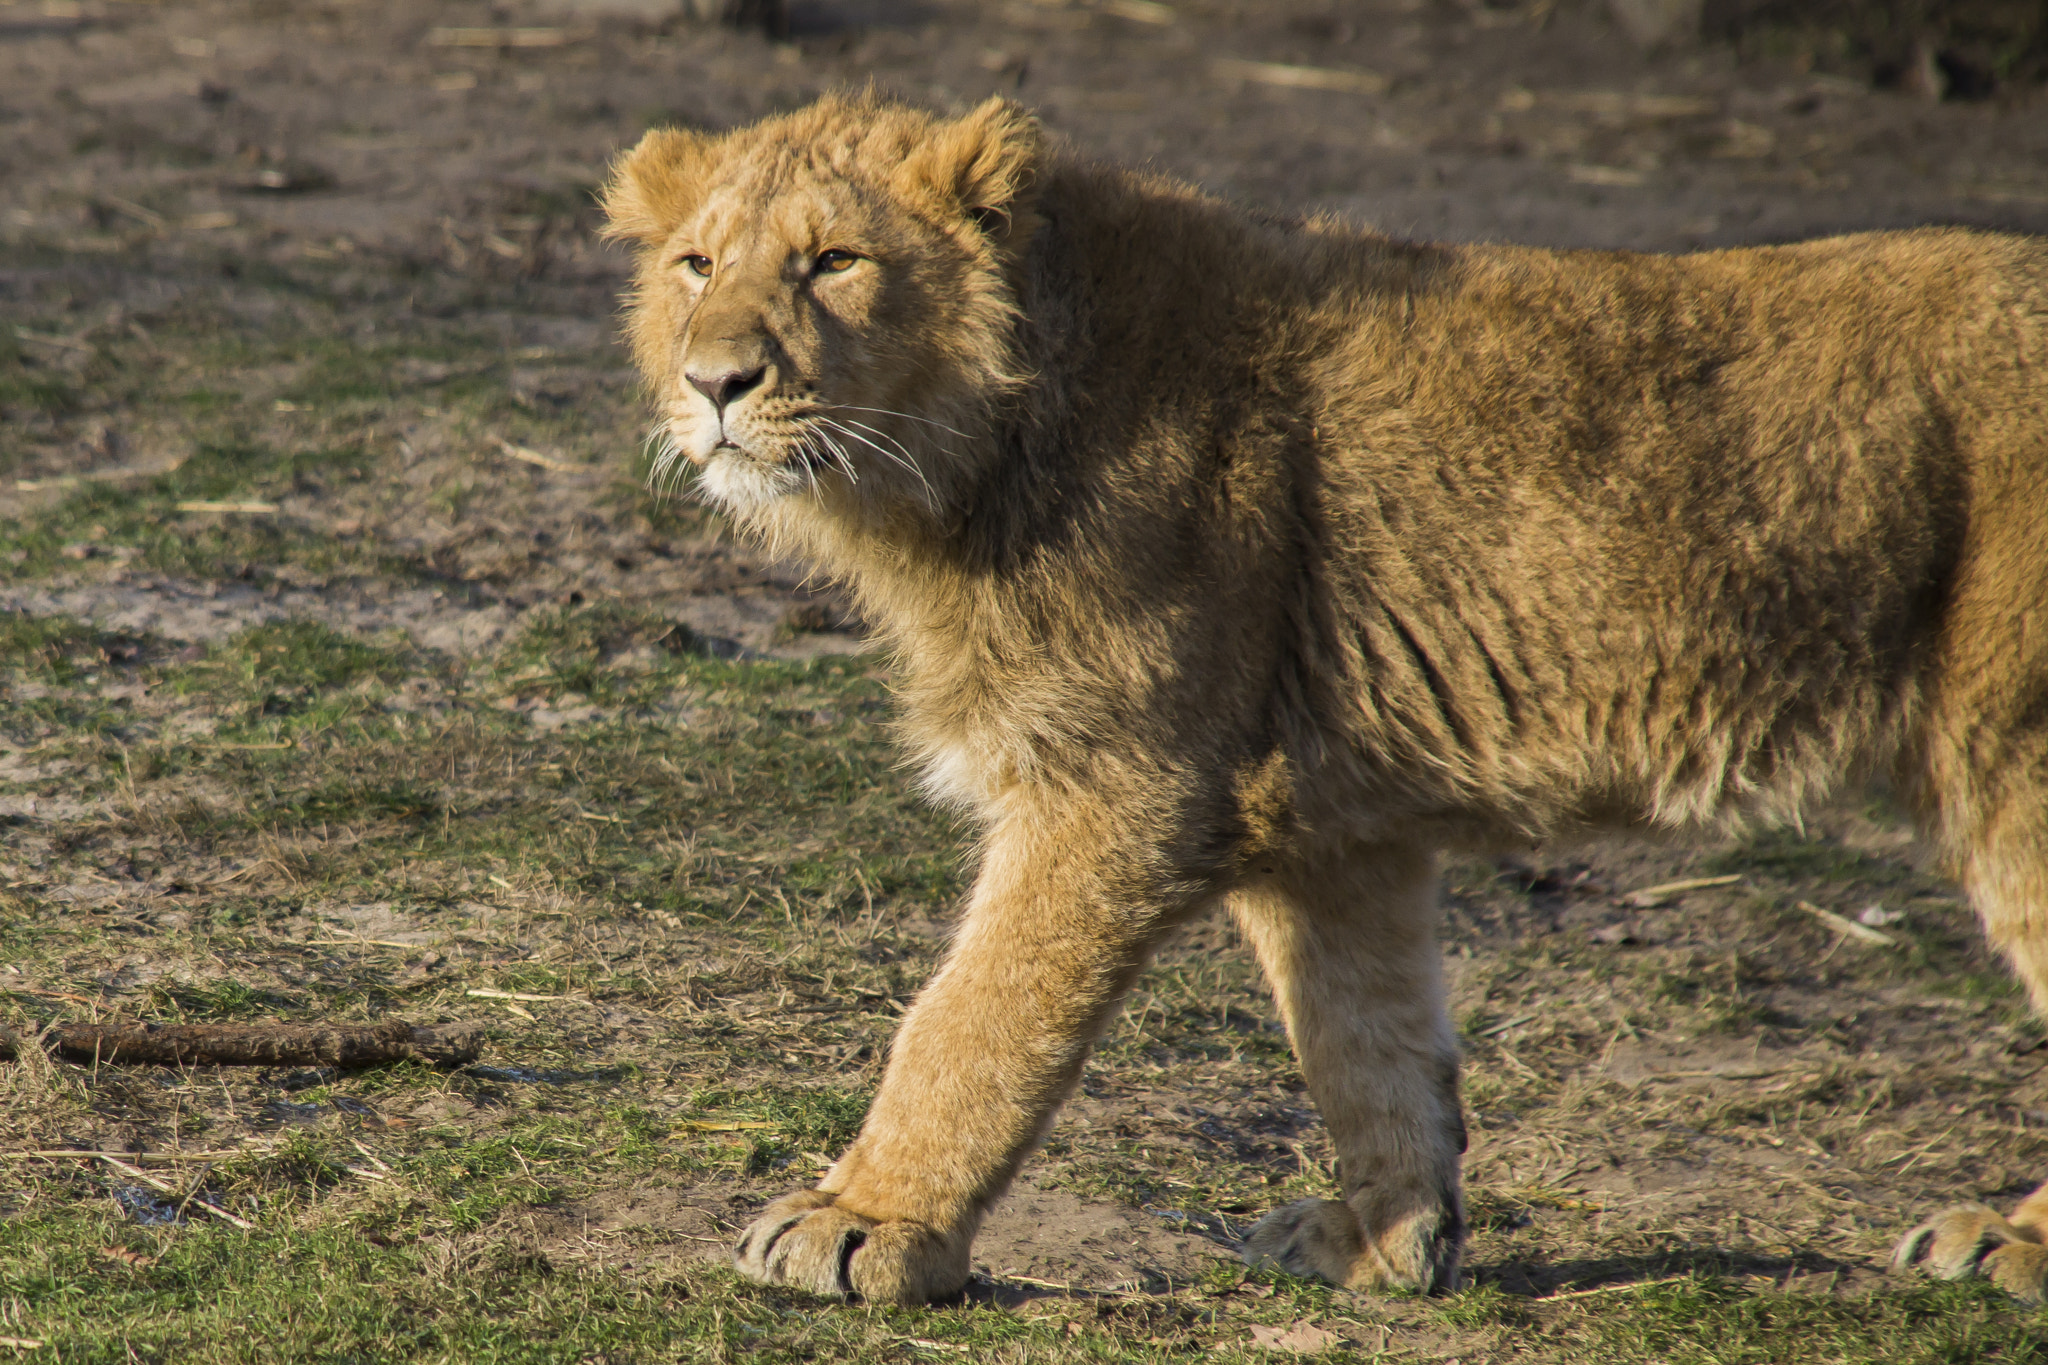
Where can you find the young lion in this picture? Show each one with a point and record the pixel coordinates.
(1237, 559)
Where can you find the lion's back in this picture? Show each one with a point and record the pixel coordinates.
(1667, 537)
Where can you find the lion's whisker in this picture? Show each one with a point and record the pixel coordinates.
(906, 416)
(665, 473)
(898, 456)
(845, 461)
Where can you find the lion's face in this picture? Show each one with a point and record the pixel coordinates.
(822, 307)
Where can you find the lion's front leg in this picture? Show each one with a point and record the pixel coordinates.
(984, 1058)
(1351, 952)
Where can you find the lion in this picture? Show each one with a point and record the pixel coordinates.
(1237, 560)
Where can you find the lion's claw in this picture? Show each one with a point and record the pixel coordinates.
(806, 1241)
(802, 1240)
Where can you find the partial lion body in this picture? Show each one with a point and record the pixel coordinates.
(1252, 562)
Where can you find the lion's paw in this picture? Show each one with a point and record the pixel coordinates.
(1974, 1239)
(1320, 1238)
(807, 1241)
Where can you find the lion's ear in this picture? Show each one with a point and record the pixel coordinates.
(983, 164)
(652, 186)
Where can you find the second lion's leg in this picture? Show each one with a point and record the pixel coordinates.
(1350, 948)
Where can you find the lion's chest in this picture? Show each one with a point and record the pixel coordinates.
(970, 757)
(955, 773)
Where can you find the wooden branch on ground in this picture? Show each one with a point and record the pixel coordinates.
(341, 1045)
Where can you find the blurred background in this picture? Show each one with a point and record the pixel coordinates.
(449, 132)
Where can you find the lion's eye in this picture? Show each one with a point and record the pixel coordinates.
(835, 261)
(697, 265)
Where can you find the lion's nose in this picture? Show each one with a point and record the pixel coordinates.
(723, 388)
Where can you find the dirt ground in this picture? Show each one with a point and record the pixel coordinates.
(347, 650)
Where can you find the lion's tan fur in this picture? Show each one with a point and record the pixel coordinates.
(1251, 561)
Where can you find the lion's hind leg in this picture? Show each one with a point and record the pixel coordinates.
(1975, 1239)
(1997, 812)
(1350, 949)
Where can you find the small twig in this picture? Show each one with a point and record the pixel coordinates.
(94, 476)
(146, 1178)
(252, 508)
(1721, 1075)
(369, 1155)
(1505, 1025)
(1356, 82)
(1613, 1288)
(147, 217)
(192, 1190)
(1651, 896)
(1847, 927)
(534, 457)
(50, 995)
(521, 995)
(1040, 1284)
(24, 1343)
(1065, 1288)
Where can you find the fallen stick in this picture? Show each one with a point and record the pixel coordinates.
(1303, 77)
(208, 505)
(1847, 927)
(342, 1045)
(1622, 1288)
(1650, 897)
(534, 457)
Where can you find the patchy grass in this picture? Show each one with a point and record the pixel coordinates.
(710, 894)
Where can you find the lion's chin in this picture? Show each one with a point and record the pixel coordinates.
(742, 482)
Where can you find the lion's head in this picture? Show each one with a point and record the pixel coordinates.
(824, 302)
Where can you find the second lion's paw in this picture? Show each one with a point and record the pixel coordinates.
(1321, 1238)
(1973, 1239)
